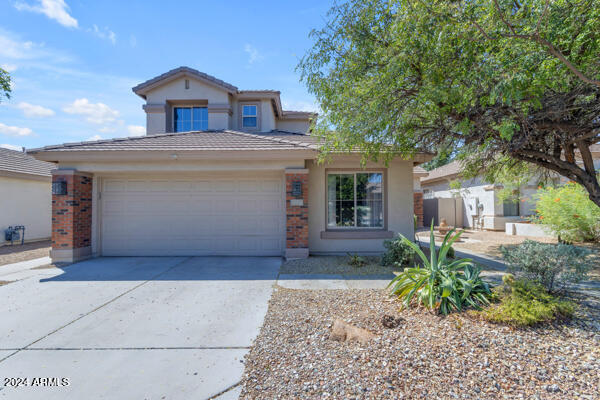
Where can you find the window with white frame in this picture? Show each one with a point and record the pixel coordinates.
(187, 119)
(249, 116)
(355, 200)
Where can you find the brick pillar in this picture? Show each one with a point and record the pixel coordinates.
(296, 206)
(72, 217)
(418, 206)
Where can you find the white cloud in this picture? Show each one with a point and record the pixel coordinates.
(14, 49)
(95, 137)
(107, 129)
(136, 130)
(11, 147)
(8, 67)
(14, 130)
(132, 41)
(300, 106)
(253, 54)
(28, 53)
(94, 113)
(104, 33)
(33, 111)
(57, 10)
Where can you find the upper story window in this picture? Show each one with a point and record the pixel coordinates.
(187, 119)
(249, 116)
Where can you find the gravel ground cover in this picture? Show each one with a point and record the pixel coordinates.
(335, 265)
(426, 357)
(29, 251)
(488, 243)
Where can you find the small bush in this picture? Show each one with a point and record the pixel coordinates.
(398, 252)
(552, 265)
(356, 261)
(568, 211)
(525, 303)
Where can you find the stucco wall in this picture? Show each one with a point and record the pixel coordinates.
(175, 90)
(293, 125)
(26, 202)
(399, 182)
(267, 116)
(161, 122)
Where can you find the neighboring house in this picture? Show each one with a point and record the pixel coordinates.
(221, 171)
(481, 206)
(25, 195)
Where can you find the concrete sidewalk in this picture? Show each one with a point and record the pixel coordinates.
(333, 281)
(21, 270)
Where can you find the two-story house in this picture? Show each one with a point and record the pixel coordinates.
(221, 171)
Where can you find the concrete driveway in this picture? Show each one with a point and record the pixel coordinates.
(134, 327)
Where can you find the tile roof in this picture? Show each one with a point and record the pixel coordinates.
(187, 70)
(19, 162)
(196, 140)
(454, 168)
(444, 171)
(420, 171)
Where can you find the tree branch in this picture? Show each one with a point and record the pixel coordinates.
(586, 156)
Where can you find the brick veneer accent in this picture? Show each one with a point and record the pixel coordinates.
(418, 207)
(72, 213)
(296, 215)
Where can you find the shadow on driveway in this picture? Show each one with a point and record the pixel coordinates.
(170, 269)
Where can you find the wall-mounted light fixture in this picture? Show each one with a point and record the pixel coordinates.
(297, 188)
(59, 188)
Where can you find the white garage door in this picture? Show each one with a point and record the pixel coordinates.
(226, 214)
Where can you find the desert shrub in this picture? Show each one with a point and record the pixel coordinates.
(398, 253)
(356, 261)
(568, 211)
(441, 283)
(451, 252)
(551, 265)
(524, 303)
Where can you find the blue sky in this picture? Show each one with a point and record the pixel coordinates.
(74, 62)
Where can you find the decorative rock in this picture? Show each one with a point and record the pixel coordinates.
(344, 332)
(389, 321)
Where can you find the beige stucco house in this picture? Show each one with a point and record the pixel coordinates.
(221, 171)
(479, 203)
(25, 196)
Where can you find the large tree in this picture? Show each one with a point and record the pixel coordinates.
(505, 83)
(5, 87)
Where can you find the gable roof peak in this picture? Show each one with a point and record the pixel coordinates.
(175, 73)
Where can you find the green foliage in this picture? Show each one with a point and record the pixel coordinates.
(443, 157)
(451, 252)
(356, 261)
(440, 283)
(524, 303)
(568, 211)
(490, 81)
(551, 265)
(398, 253)
(5, 87)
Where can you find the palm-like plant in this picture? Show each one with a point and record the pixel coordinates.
(441, 283)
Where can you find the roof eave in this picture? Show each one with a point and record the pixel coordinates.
(171, 155)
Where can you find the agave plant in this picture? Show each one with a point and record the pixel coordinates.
(440, 282)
